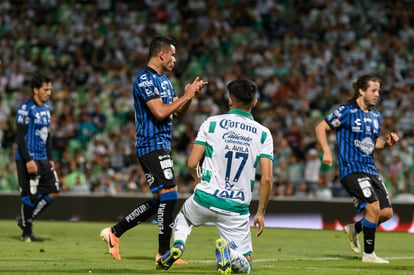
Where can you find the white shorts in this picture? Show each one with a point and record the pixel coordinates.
(233, 228)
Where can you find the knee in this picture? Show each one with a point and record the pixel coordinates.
(168, 190)
(372, 212)
(386, 214)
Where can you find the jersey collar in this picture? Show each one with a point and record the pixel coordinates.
(241, 113)
(152, 70)
(353, 102)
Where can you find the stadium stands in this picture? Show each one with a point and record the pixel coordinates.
(304, 56)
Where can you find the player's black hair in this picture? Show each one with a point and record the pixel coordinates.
(362, 83)
(160, 43)
(242, 90)
(38, 80)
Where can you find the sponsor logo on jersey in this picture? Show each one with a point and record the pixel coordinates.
(229, 194)
(42, 133)
(146, 84)
(366, 145)
(235, 138)
(22, 112)
(228, 124)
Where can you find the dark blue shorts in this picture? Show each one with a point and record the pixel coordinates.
(366, 188)
(47, 179)
(159, 170)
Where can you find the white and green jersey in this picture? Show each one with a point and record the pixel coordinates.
(234, 144)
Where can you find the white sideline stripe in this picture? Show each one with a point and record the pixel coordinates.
(306, 259)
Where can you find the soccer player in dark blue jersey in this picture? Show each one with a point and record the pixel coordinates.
(35, 168)
(155, 104)
(358, 133)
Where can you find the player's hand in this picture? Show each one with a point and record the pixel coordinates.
(195, 87)
(198, 84)
(258, 221)
(31, 167)
(327, 158)
(391, 139)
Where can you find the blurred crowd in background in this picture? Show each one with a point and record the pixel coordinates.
(304, 56)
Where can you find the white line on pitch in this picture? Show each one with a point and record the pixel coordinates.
(306, 259)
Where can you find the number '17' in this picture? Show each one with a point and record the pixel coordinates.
(229, 157)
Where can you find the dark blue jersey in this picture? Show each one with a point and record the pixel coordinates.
(37, 120)
(151, 133)
(356, 133)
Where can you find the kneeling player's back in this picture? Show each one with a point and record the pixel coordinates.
(234, 143)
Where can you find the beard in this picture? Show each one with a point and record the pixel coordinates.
(370, 104)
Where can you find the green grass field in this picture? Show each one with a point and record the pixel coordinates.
(75, 248)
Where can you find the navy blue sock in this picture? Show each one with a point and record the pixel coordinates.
(166, 220)
(26, 215)
(358, 226)
(43, 201)
(141, 213)
(369, 230)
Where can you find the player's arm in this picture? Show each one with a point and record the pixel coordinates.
(183, 109)
(389, 140)
(161, 111)
(49, 151)
(21, 142)
(194, 159)
(24, 151)
(266, 183)
(320, 131)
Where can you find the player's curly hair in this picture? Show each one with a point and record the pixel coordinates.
(38, 80)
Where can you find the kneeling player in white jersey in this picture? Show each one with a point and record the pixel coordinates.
(228, 147)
